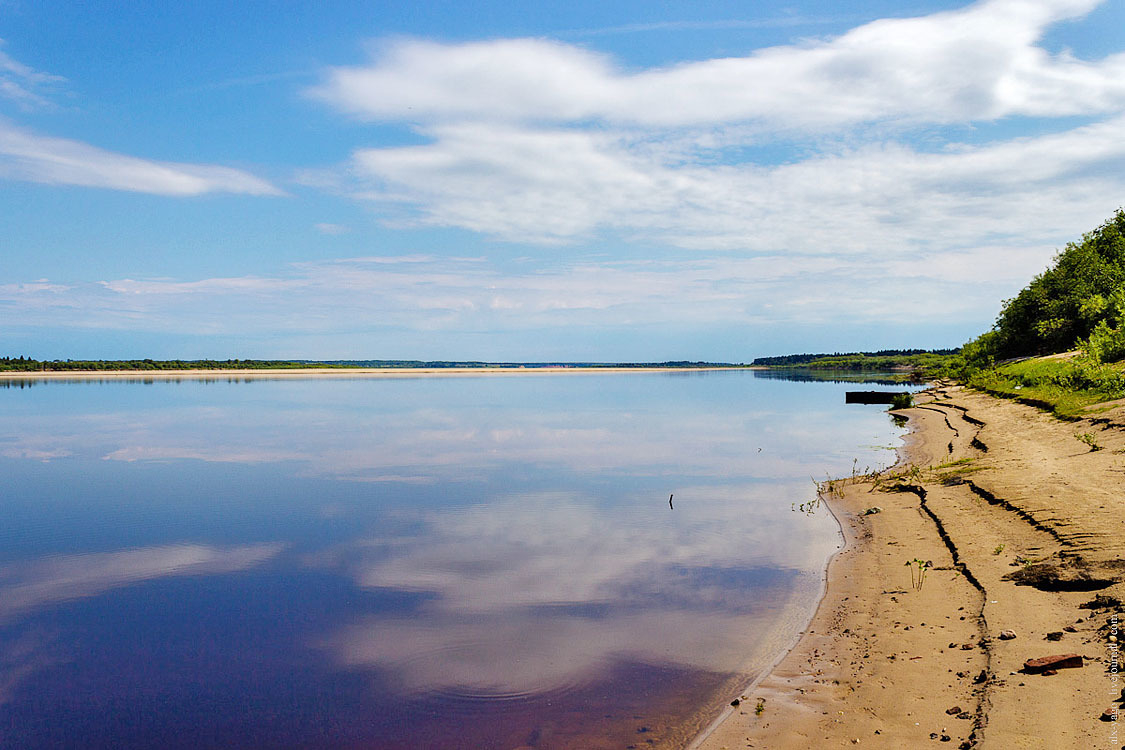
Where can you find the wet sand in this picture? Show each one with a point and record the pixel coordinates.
(1023, 523)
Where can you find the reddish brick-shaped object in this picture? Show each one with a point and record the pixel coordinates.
(1058, 661)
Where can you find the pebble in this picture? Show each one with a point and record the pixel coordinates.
(1007, 635)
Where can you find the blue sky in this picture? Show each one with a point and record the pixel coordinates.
(572, 180)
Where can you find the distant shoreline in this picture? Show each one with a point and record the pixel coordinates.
(339, 372)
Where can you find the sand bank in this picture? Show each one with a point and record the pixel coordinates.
(333, 372)
(1023, 523)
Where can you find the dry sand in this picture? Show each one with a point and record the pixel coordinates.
(990, 491)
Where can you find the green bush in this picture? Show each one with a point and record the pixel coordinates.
(1105, 344)
(1062, 306)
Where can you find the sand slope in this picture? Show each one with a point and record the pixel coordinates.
(1023, 523)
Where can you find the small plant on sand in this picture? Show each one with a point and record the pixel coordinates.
(998, 550)
(902, 401)
(761, 707)
(1089, 439)
(829, 487)
(918, 570)
(954, 472)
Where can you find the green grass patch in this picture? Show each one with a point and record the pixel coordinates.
(1065, 386)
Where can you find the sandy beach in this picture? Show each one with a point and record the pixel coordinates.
(1020, 516)
(336, 372)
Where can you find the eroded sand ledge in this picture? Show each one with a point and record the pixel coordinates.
(987, 488)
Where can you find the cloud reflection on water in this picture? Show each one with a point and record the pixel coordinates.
(22, 657)
(464, 444)
(35, 583)
(539, 593)
(526, 591)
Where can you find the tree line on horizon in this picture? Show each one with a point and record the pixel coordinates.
(803, 359)
(28, 364)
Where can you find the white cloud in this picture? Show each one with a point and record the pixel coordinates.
(857, 143)
(29, 156)
(24, 85)
(331, 229)
(59, 161)
(431, 295)
(981, 62)
(551, 186)
(798, 184)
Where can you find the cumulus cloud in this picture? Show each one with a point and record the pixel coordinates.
(560, 185)
(947, 67)
(31, 157)
(853, 146)
(799, 183)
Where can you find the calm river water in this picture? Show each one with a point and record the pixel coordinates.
(427, 562)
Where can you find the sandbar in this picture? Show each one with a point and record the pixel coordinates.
(336, 372)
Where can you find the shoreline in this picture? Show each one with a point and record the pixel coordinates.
(701, 740)
(330, 372)
(984, 489)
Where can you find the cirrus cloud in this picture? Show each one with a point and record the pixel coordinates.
(32, 157)
(23, 84)
(446, 295)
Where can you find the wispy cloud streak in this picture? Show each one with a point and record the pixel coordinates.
(23, 85)
(449, 294)
(25, 155)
